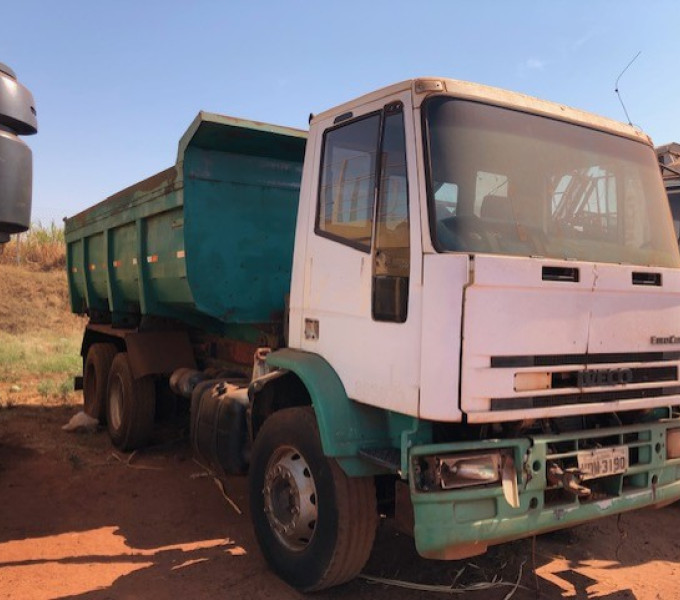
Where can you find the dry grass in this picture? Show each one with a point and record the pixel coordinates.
(35, 301)
(40, 248)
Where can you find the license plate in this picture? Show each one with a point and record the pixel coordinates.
(603, 462)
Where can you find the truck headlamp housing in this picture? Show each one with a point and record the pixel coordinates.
(673, 443)
(465, 470)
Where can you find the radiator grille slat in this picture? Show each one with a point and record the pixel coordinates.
(547, 401)
(640, 458)
(557, 360)
(597, 371)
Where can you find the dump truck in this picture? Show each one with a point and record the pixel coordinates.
(446, 304)
(17, 118)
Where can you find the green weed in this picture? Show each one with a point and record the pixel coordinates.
(45, 388)
(66, 387)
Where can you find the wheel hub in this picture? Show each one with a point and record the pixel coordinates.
(290, 498)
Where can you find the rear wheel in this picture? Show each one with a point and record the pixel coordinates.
(315, 526)
(95, 379)
(130, 405)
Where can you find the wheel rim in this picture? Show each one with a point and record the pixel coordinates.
(116, 402)
(290, 499)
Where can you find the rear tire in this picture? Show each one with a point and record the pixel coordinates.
(315, 526)
(95, 379)
(130, 405)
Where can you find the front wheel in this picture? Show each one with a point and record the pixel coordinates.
(315, 526)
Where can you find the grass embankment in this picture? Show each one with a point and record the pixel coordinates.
(39, 337)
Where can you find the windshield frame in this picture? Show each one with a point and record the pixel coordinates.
(668, 256)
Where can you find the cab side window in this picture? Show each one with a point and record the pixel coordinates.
(392, 263)
(347, 188)
(364, 162)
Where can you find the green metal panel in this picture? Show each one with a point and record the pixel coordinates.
(209, 241)
(148, 197)
(75, 276)
(347, 426)
(95, 272)
(122, 261)
(165, 258)
(104, 246)
(240, 210)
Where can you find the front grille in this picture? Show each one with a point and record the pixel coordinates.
(600, 378)
(641, 452)
(591, 378)
(548, 401)
(556, 360)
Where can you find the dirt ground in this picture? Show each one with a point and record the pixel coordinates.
(78, 520)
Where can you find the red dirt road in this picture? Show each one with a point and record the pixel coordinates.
(80, 521)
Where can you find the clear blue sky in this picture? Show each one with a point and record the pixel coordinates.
(117, 83)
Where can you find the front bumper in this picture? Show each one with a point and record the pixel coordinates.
(459, 523)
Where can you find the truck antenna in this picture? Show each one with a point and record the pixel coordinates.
(616, 86)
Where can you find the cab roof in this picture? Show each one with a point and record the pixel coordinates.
(424, 87)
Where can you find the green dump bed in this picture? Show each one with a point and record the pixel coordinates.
(208, 241)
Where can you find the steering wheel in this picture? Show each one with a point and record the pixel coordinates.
(464, 233)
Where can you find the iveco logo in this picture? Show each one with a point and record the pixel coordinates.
(604, 377)
(657, 340)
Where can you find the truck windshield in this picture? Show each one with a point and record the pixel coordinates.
(508, 182)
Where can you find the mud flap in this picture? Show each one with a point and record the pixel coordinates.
(159, 352)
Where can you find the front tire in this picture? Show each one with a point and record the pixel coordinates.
(130, 405)
(315, 526)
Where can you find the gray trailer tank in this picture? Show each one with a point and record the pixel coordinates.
(17, 117)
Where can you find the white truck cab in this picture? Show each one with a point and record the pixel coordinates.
(504, 271)
(464, 252)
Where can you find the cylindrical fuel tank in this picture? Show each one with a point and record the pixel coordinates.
(219, 432)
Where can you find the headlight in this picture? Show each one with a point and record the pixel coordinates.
(452, 471)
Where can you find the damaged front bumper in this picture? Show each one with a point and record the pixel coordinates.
(457, 523)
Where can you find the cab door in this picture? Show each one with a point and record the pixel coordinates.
(361, 302)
